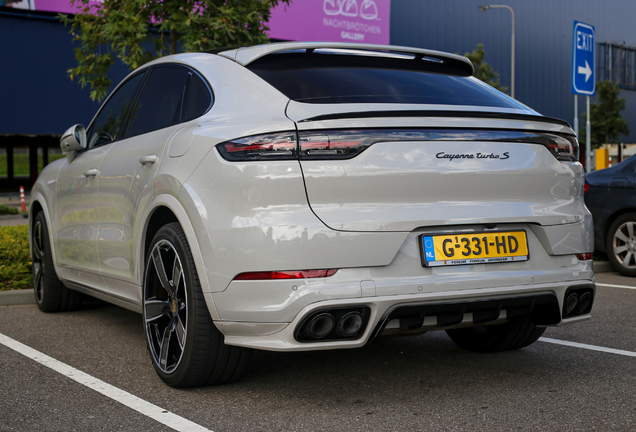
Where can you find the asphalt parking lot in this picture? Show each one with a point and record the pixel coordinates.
(53, 363)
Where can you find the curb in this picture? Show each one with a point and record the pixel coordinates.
(17, 297)
(602, 267)
(14, 220)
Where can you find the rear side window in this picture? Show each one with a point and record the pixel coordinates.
(199, 98)
(314, 77)
(161, 101)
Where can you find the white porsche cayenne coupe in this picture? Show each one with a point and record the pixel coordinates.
(313, 196)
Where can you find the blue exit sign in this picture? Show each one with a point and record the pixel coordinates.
(583, 65)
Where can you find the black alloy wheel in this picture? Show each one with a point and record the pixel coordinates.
(165, 306)
(186, 349)
(38, 260)
(50, 294)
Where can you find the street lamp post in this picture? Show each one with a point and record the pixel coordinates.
(512, 68)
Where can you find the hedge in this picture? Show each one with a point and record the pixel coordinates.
(15, 259)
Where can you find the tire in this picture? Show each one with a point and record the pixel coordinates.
(186, 349)
(620, 244)
(515, 334)
(50, 294)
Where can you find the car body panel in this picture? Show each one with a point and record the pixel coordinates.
(612, 192)
(282, 300)
(247, 224)
(182, 208)
(76, 222)
(388, 187)
(253, 335)
(126, 185)
(566, 239)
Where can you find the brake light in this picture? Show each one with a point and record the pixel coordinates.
(584, 256)
(334, 144)
(586, 187)
(345, 144)
(339, 144)
(294, 274)
(276, 146)
(564, 148)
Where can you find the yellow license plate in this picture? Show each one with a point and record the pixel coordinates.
(474, 248)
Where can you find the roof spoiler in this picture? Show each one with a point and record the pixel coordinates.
(247, 55)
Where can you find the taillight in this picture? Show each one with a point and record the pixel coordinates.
(294, 274)
(584, 256)
(339, 144)
(334, 144)
(586, 187)
(276, 146)
(346, 144)
(564, 148)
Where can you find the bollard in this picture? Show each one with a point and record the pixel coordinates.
(22, 198)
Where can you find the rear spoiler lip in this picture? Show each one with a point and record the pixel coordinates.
(461, 114)
(246, 55)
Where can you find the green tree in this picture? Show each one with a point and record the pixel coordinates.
(483, 70)
(137, 31)
(605, 116)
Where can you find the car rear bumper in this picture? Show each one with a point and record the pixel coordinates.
(281, 300)
(282, 336)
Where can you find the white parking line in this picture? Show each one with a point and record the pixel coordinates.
(131, 401)
(616, 286)
(589, 347)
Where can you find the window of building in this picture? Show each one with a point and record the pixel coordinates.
(617, 64)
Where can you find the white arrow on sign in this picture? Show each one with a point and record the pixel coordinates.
(587, 71)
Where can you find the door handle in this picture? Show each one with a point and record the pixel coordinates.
(91, 172)
(150, 159)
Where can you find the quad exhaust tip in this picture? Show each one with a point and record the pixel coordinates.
(585, 301)
(321, 325)
(578, 301)
(570, 304)
(335, 324)
(350, 324)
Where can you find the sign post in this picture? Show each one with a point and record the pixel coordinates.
(584, 77)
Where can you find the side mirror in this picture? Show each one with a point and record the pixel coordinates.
(72, 141)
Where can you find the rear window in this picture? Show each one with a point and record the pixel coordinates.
(315, 77)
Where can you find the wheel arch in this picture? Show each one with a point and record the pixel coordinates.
(39, 204)
(166, 209)
(160, 216)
